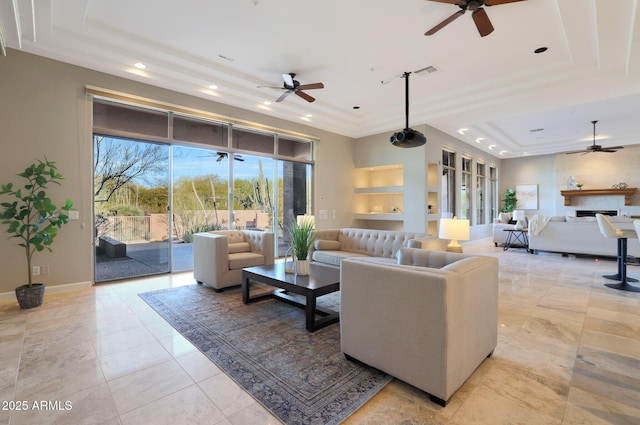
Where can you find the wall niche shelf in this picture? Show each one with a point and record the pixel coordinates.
(568, 194)
(379, 193)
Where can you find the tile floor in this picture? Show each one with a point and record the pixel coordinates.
(568, 353)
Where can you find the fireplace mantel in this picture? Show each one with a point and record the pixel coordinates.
(627, 192)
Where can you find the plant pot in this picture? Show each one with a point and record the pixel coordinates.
(302, 267)
(30, 296)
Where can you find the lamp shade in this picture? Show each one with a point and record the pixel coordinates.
(454, 229)
(306, 219)
(518, 215)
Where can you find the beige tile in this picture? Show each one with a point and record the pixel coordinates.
(484, 407)
(226, 394)
(187, 406)
(177, 345)
(254, 414)
(139, 388)
(129, 360)
(198, 366)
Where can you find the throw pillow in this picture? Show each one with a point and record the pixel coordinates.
(321, 244)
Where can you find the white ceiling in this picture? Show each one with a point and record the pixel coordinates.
(495, 86)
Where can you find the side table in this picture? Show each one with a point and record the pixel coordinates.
(518, 238)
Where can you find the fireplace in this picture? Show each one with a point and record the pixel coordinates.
(592, 213)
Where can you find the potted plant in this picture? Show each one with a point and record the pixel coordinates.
(33, 219)
(302, 238)
(510, 200)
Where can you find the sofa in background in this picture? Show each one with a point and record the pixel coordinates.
(504, 221)
(429, 319)
(220, 256)
(334, 245)
(577, 235)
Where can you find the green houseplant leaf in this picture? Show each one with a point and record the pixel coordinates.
(302, 237)
(31, 216)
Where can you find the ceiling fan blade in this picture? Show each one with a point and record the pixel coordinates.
(445, 23)
(497, 2)
(311, 86)
(305, 96)
(285, 94)
(580, 151)
(270, 87)
(447, 1)
(288, 79)
(482, 21)
(614, 147)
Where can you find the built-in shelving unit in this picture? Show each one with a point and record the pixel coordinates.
(627, 192)
(380, 193)
(433, 197)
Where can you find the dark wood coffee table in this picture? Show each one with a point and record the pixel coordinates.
(321, 280)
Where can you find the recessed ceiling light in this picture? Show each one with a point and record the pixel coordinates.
(462, 130)
(540, 50)
(140, 65)
(266, 102)
(308, 115)
(213, 87)
(492, 146)
(479, 139)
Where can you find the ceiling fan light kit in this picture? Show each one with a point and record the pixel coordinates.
(479, 15)
(407, 138)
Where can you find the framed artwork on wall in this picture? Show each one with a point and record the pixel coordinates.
(527, 196)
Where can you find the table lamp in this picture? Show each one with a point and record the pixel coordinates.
(456, 230)
(306, 219)
(518, 215)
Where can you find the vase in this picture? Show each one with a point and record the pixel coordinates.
(302, 267)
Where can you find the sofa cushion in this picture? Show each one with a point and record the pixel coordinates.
(581, 219)
(504, 217)
(334, 257)
(239, 247)
(323, 244)
(426, 258)
(241, 260)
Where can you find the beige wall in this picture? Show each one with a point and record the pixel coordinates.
(377, 150)
(595, 171)
(44, 111)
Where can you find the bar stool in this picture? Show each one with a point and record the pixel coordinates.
(608, 230)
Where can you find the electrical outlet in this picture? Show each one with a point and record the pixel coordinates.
(36, 271)
(45, 270)
(74, 215)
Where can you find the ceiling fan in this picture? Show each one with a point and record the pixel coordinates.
(479, 15)
(222, 155)
(293, 86)
(596, 148)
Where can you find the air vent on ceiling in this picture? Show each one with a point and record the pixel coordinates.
(535, 130)
(427, 70)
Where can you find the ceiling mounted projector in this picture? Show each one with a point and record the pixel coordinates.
(407, 138)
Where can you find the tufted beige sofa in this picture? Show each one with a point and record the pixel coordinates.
(220, 256)
(334, 245)
(430, 319)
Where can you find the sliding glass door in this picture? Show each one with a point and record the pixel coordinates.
(131, 199)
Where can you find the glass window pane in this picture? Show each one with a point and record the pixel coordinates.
(253, 141)
(253, 193)
(294, 148)
(189, 129)
(132, 119)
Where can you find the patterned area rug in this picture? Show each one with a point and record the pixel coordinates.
(301, 377)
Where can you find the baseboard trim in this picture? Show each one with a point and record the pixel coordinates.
(52, 289)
